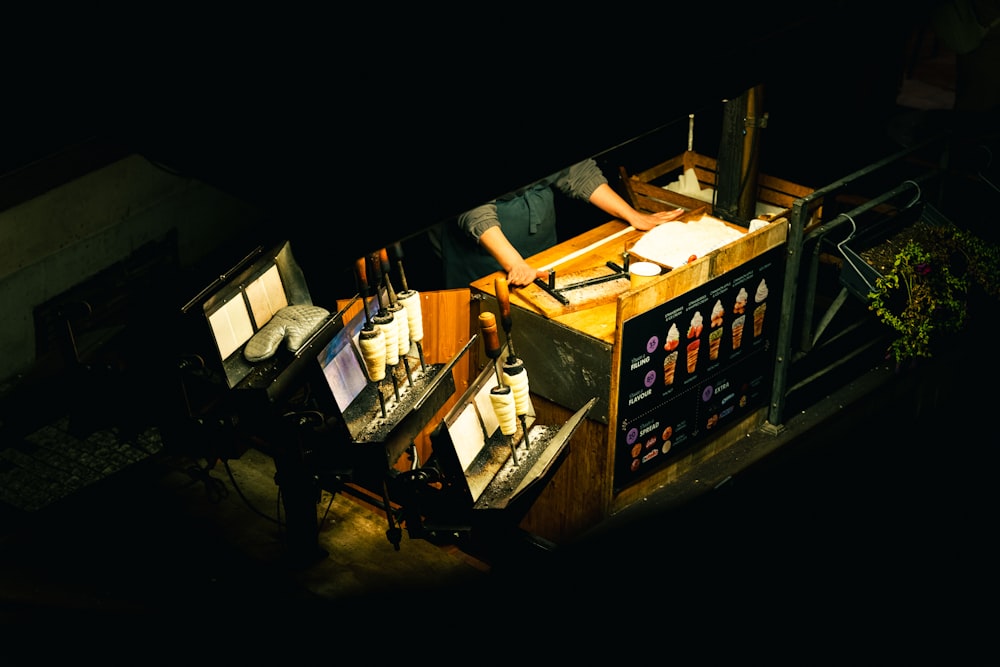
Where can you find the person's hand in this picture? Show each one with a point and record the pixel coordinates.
(522, 274)
(646, 221)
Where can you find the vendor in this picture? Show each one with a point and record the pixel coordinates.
(499, 234)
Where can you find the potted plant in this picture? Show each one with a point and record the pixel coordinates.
(939, 278)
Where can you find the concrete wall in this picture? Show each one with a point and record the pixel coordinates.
(53, 241)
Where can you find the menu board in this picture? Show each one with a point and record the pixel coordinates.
(696, 365)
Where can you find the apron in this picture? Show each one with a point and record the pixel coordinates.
(528, 220)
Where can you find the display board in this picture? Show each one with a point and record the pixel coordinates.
(696, 365)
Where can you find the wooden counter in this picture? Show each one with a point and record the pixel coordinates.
(588, 250)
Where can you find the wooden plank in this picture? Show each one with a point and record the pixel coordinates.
(683, 278)
(653, 198)
(580, 298)
(572, 500)
(599, 319)
(648, 192)
(656, 171)
(445, 314)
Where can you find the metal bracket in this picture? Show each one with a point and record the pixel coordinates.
(557, 294)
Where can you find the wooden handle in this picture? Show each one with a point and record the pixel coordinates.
(384, 256)
(362, 273)
(491, 338)
(384, 275)
(376, 266)
(397, 251)
(503, 296)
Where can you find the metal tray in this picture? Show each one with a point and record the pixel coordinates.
(857, 275)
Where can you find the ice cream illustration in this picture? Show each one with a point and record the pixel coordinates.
(696, 325)
(761, 293)
(673, 338)
(717, 312)
(692, 354)
(714, 338)
(738, 331)
(669, 367)
(693, 332)
(758, 313)
(670, 362)
(741, 302)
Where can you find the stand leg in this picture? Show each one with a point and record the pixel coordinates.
(298, 495)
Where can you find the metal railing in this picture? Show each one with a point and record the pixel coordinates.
(798, 311)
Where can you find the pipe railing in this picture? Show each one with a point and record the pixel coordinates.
(802, 211)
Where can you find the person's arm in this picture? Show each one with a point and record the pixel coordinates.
(585, 180)
(605, 198)
(482, 224)
(519, 272)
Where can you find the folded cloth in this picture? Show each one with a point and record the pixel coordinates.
(291, 323)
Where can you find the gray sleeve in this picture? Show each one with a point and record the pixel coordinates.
(580, 180)
(477, 220)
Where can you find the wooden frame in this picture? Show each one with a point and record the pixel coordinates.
(647, 189)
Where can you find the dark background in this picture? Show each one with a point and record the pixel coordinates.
(378, 126)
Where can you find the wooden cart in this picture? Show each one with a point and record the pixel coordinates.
(577, 354)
